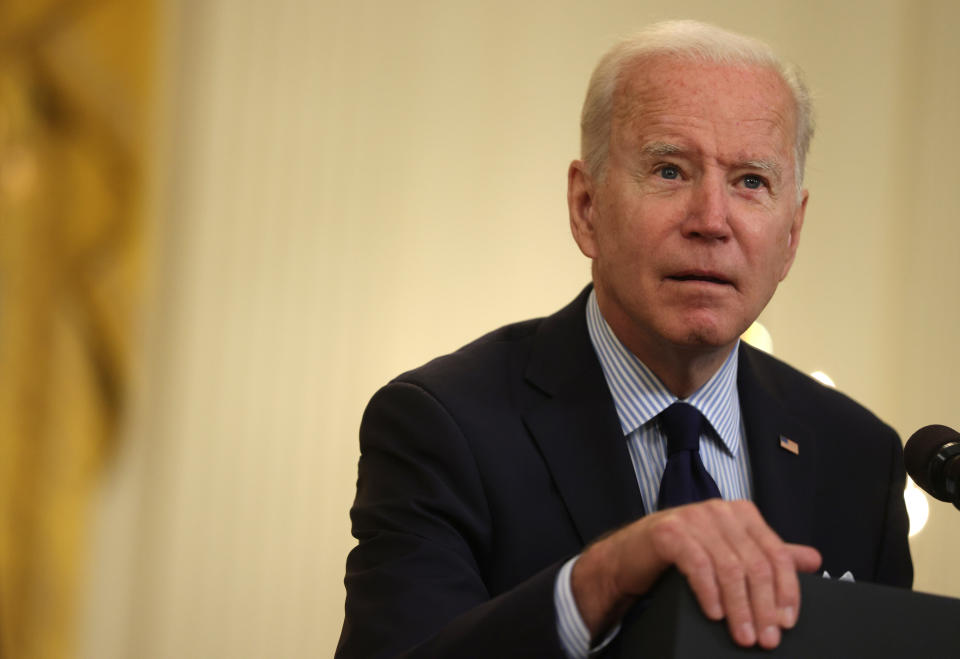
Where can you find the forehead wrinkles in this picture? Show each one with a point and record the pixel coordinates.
(691, 90)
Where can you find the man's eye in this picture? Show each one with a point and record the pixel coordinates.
(753, 182)
(670, 172)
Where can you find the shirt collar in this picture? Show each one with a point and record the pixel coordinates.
(639, 395)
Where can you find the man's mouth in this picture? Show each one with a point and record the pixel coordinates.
(706, 277)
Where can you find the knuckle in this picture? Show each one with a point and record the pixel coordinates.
(698, 562)
(667, 528)
(730, 572)
(667, 535)
(760, 570)
(719, 507)
(689, 514)
(727, 561)
(747, 510)
(781, 557)
(741, 505)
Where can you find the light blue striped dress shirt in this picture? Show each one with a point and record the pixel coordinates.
(639, 396)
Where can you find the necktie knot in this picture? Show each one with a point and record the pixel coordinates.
(682, 423)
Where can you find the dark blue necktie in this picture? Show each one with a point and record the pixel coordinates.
(685, 479)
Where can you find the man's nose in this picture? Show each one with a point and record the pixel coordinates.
(708, 212)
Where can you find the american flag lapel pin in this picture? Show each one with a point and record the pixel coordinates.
(788, 444)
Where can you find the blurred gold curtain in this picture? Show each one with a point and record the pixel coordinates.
(75, 87)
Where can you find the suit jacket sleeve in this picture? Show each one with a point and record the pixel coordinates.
(415, 582)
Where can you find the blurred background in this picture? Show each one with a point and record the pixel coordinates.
(223, 225)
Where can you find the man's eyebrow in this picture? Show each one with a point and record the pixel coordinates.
(768, 166)
(657, 149)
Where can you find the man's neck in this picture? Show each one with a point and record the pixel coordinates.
(682, 368)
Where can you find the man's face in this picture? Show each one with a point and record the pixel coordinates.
(696, 219)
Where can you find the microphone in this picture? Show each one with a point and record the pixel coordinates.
(932, 458)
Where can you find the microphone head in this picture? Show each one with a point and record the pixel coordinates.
(920, 457)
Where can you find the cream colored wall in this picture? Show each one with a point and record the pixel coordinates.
(928, 252)
(349, 188)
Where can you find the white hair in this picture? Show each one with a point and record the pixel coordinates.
(690, 40)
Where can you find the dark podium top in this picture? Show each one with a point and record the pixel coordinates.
(837, 619)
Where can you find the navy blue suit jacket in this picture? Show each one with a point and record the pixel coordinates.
(485, 469)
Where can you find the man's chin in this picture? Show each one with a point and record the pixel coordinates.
(706, 336)
(705, 340)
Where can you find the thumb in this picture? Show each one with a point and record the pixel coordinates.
(805, 558)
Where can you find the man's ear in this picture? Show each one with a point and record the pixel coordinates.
(580, 202)
(793, 238)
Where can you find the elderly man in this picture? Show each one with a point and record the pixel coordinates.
(515, 498)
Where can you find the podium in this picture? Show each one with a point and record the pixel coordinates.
(837, 619)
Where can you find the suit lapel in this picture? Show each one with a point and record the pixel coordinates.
(574, 423)
(784, 480)
(571, 416)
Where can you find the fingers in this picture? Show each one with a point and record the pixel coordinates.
(737, 567)
(801, 559)
(747, 572)
(775, 591)
(697, 565)
(807, 559)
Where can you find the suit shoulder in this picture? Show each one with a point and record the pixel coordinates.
(809, 398)
(484, 360)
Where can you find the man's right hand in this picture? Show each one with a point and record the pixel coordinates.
(737, 566)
